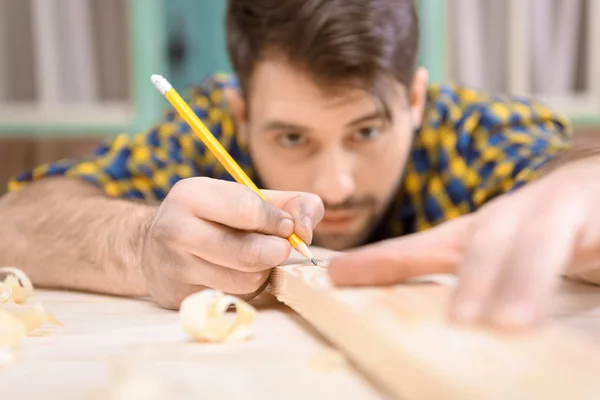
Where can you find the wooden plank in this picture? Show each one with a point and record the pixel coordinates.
(399, 337)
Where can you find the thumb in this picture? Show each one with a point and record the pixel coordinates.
(438, 250)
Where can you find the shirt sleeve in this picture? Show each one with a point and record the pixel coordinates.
(147, 164)
(508, 143)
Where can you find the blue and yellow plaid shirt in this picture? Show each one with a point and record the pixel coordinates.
(470, 148)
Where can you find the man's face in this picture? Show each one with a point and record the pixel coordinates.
(339, 147)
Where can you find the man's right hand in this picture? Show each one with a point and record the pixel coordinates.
(219, 234)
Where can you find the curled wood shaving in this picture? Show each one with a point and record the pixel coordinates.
(12, 331)
(17, 318)
(204, 317)
(16, 285)
(33, 316)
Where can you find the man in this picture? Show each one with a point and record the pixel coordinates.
(326, 100)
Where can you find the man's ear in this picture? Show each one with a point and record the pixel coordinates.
(239, 112)
(418, 95)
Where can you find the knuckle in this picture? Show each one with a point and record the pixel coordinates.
(180, 188)
(185, 188)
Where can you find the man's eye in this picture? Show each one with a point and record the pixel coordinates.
(292, 139)
(366, 134)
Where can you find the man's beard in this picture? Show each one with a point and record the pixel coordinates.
(341, 241)
(344, 241)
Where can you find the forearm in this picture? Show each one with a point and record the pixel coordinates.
(66, 234)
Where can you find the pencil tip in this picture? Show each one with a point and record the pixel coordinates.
(312, 260)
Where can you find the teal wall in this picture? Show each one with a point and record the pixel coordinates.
(432, 54)
(200, 25)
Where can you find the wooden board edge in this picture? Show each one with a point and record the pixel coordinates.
(397, 371)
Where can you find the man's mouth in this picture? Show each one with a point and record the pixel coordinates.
(335, 220)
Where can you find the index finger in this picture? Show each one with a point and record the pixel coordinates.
(233, 205)
(436, 251)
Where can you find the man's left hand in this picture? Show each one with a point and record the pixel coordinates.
(508, 255)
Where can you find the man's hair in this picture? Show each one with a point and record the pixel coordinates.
(339, 43)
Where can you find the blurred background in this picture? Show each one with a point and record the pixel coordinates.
(75, 71)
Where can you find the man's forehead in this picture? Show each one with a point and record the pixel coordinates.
(279, 89)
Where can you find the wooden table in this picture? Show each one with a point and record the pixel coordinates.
(107, 340)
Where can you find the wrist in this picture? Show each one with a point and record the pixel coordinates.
(138, 219)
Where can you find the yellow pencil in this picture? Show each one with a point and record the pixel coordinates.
(167, 90)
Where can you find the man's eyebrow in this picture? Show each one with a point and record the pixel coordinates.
(377, 114)
(275, 125)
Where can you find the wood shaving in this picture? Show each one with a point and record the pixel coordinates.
(12, 330)
(17, 318)
(16, 285)
(204, 317)
(32, 316)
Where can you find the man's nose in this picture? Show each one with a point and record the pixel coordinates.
(334, 181)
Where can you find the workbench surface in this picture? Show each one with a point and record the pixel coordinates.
(108, 340)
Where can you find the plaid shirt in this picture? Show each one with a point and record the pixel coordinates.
(470, 148)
